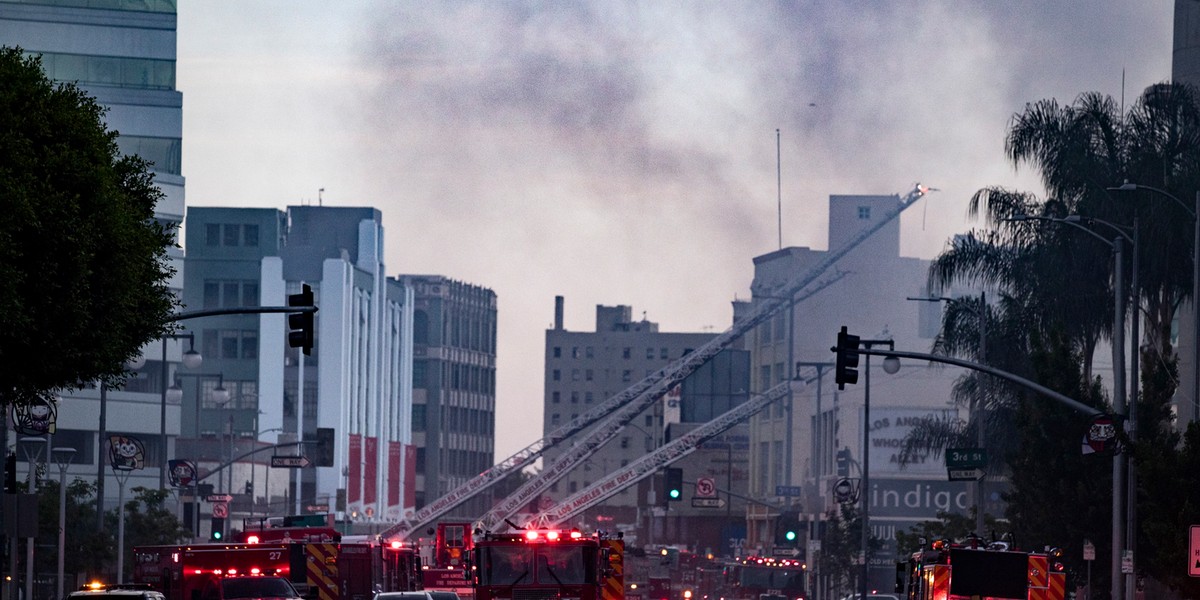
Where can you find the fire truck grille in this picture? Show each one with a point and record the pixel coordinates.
(535, 594)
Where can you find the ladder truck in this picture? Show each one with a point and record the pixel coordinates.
(961, 571)
(611, 416)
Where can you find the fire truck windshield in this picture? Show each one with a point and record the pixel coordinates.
(537, 564)
(566, 565)
(505, 565)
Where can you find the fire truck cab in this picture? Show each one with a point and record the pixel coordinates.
(547, 563)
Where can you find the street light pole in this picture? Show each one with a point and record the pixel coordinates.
(32, 447)
(62, 457)
(1119, 490)
(865, 487)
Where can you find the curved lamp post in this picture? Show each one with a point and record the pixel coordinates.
(32, 448)
(1119, 490)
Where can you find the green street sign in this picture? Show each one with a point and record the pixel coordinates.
(966, 458)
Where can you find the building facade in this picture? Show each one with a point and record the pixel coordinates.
(454, 387)
(357, 382)
(123, 55)
(586, 368)
(794, 444)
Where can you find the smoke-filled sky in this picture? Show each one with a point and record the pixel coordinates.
(625, 152)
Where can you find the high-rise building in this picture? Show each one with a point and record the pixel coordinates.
(586, 368)
(122, 53)
(357, 382)
(454, 386)
(794, 444)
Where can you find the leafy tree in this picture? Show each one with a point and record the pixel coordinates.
(148, 522)
(89, 550)
(83, 263)
(841, 545)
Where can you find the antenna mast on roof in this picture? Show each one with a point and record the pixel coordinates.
(320, 201)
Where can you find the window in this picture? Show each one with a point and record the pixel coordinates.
(212, 234)
(588, 375)
(588, 397)
(864, 213)
(419, 369)
(626, 375)
(574, 374)
(574, 397)
(764, 377)
(649, 353)
(575, 352)
(555, 397)
(418, 417)
(250, 235)
(556, 375)
(627, 353)
(230, 234)
(663, 353)
(590, 352)
(557, 352)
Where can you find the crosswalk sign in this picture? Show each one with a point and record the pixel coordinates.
(1194, 552)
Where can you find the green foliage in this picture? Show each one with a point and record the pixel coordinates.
(841, 544)
(83, 263)
(148, 522)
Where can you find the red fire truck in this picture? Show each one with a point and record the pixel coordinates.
(211, 571)
(766, 578)
(319, 563)
(445, 562)
(948, 571)
(548, 564)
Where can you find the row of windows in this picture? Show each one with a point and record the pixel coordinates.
(229, 343)
(164, 154)
(231, 234)
(118, 71)
(773, 329)
(589, 375)
(159, 6)
(460, 462)
(464, 420)
(626, 352)
(220, 294)
(473, 332)
(467, 378)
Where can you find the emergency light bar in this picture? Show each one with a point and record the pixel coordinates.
(551, 535)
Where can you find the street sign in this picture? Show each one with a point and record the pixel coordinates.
(706, 487)
(788, 490)
(1194, 552)
(289, 462)
(218, 498)
(965, 474)
(708, 502)
(1089, 550)
(317, 508)
(220, 510)
(966, 458)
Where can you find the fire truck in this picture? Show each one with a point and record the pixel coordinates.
(445, 562)
(214, 571)
(766, 578)
(947, 571)
(548, 563)
(317, 561)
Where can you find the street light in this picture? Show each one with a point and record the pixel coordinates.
(977, 413)
(192, 360)
(32, 448)
(1193, 213)
(1119, 490)
(62, 457)
(218, 394)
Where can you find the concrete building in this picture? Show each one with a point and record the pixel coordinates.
(793, 445)
(454, 387)
(586, 368)
(357, 382)
(122, 54)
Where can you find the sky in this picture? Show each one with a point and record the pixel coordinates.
(635, 153)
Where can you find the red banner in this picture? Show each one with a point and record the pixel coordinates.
(393, 475)
(410, 476)
(354, 470)
(371, 469)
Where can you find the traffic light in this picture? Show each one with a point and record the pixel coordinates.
(10, 474)
(218, 529)
(843, 462)
(846, 363)
(323, 455)
(787, 528)
(300, 325)
(249, 488)
(673, 480)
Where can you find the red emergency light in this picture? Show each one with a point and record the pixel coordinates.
(397, 545)
(252, 539)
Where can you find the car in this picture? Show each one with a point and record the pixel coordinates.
(872, 597)
(419, 595)
(126, 591)
(443, 595)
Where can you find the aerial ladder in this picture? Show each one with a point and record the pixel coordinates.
(614, 482)
(613, 414)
